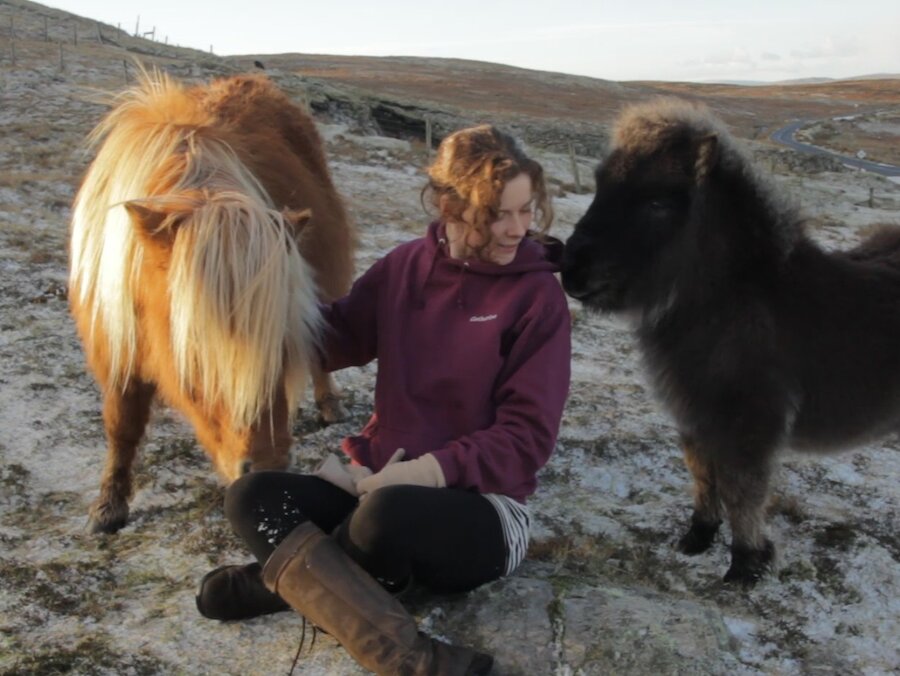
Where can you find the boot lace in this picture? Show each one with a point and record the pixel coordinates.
(315, 632)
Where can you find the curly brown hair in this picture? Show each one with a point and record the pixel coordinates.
(471, 169)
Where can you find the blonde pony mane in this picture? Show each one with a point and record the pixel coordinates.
(242, 301)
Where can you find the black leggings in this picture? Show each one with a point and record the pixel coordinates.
(446, 539)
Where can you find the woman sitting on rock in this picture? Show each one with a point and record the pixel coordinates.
(472, 336)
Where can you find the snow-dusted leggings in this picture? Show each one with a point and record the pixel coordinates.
(447, 540)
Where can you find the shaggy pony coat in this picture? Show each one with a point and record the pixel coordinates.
(754, 337)
(203, 235)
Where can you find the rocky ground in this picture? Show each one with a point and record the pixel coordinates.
(877, 135)
(602, 590)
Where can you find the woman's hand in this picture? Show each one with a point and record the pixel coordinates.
(423, 471)
(341, 475)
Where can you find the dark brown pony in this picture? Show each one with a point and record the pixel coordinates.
(755, 338)
(204, 234)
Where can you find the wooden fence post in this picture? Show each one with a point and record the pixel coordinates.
(574, 167)
(62, 62)
(75, 35)
(428, 132)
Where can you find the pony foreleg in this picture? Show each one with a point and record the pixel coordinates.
(125, 416)
(269, 443)
(744, 489)
(707, 515)
(327, 396)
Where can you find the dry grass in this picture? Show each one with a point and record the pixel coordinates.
(874, 135)
(495, 92)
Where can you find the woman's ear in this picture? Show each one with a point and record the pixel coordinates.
(444, 204)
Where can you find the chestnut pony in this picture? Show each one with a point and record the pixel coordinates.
(204, 234)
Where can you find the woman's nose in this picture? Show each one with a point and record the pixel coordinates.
(519, 224)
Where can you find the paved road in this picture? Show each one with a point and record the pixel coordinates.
(785, 136)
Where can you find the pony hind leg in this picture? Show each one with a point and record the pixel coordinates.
(745, 489)
(707, 515)
(125, 416)
(327, 396)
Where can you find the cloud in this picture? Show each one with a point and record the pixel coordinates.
(830, 47)
(730, 58)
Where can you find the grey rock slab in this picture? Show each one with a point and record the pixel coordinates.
(509, 619)
(637, 631)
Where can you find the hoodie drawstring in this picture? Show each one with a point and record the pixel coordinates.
(434, 259)
(460, 297)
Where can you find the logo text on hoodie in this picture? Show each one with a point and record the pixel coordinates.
(482, 318)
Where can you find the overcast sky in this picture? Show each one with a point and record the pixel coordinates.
(690, 40)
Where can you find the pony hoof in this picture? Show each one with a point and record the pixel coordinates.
(749, 565)
(331, 410)
(698, 538)
(107, 518)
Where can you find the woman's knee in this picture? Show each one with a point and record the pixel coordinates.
(380, 520)
(244, 496)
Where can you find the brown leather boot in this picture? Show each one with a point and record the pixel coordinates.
(315, 576)
(236, 593)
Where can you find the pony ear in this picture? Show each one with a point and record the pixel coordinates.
(148, 219)
(707, 157)
(297, 217)
(151, 214)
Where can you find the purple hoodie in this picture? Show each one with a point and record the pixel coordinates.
(473, 361)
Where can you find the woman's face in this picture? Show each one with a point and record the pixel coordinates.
(515, 214)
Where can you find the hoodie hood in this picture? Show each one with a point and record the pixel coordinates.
(532, 255)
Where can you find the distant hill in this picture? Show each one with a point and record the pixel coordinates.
(822, 80)
(498, 91)
(400, 93)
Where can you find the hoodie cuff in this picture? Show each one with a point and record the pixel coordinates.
(448, 465)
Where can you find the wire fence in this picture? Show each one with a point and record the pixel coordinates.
(72, 30)
(32, 36)
(31, 32)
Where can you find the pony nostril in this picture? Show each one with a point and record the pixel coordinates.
(246, 467)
